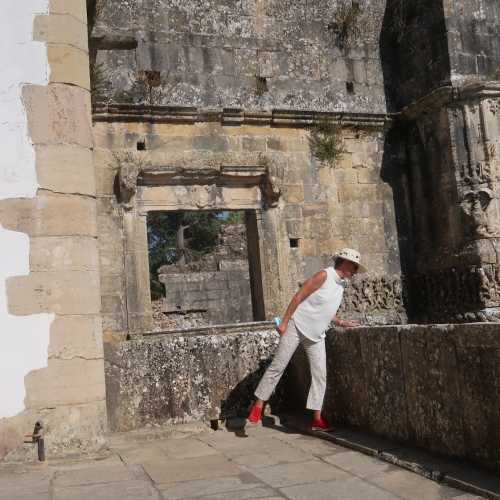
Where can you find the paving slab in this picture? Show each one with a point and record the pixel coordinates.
(25, 483)
(123, 490)
(358, 464)
(135, 455)
(317, 447)
(190, 469)
(92, 475)
(209, 487)
(311, 471)
(267, 452)
(344, 489)
(186, 448)
(254, 494)
(411, 486)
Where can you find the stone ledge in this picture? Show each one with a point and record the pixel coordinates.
(255, 326)
(274, 118)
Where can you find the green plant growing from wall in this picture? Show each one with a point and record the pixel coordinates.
(98, 82)
(326, 141)
(346, 25)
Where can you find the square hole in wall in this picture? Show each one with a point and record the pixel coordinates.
(141, 145)
(294, 242)
(349, 87)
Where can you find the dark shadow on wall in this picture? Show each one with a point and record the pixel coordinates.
(415, 61)
(394, 172)
(413, 50)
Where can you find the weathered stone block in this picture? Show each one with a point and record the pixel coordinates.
(368, 176)
(211, 143)
(76, 337)
(75, 8)
(384, 368)
(345, 161)
(254, 143)
(47, 215)
(69, 64)
(345, 176)
(62, 292)
(359, 192)
(65, 169)
(61, 29)
(65, 382)
(294, 193)
(58, 114)
(68, 253)
(433, 389)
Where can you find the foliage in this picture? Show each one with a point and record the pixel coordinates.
(235, 217)
(326, 141)
(199, 236)
(98, 82)
(346, 25)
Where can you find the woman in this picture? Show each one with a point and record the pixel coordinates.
(306, 320)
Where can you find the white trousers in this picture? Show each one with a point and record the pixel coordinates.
(316, 354)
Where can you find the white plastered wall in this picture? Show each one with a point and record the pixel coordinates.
(23, 339)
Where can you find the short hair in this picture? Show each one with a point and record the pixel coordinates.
(337, 262)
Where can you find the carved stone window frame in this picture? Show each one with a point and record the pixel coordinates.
(144, 188)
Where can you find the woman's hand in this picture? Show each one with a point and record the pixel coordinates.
(350, 324)
(281, 328)
(346, 323)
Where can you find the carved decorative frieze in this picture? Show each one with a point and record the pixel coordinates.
(374, 294)
(456, 294)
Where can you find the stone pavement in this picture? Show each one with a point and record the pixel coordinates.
(250, 463)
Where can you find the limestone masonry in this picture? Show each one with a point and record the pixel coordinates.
(116, 109)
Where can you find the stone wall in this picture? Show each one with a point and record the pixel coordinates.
(436, 387)
(192, 375)
(224, 296)
(250, 54)
(54, 358)
(191, 166)
(473, 39)
(445, 156)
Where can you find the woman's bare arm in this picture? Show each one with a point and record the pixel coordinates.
(309, 287)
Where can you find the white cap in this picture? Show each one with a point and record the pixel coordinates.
(353, 256)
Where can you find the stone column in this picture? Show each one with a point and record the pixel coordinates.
(60, 221)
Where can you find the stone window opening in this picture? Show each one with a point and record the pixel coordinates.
(203, 268)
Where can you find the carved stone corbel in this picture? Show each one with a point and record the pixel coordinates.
(129, 170)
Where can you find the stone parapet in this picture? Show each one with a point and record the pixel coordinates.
(435, 386)
(185, 376)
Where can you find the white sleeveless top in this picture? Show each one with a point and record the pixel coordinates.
(313, 316)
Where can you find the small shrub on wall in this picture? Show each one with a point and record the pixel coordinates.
(326, 141)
